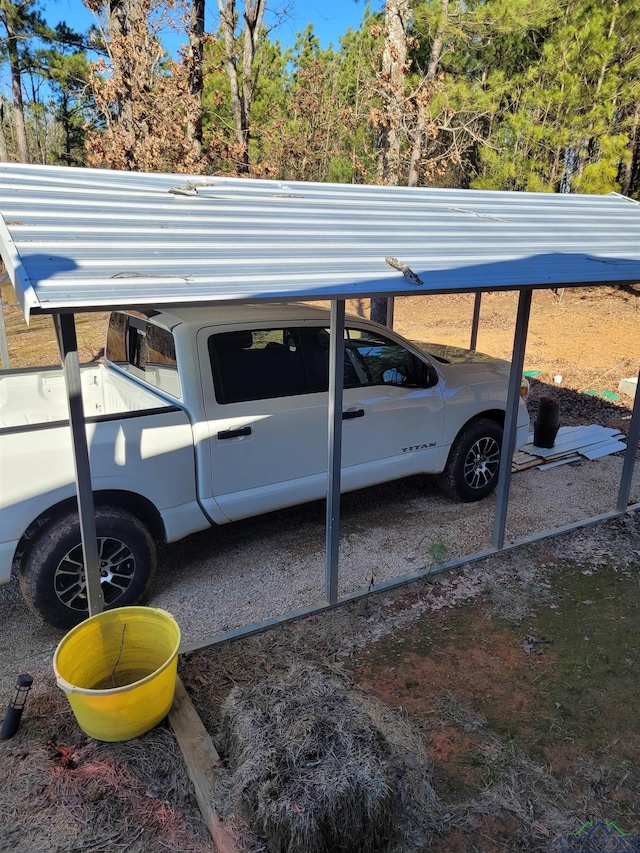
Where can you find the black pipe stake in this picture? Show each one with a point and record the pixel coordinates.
(547, 423)
(16, 707)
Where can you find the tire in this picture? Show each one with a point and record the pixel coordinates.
(52, 572)
(473, 465)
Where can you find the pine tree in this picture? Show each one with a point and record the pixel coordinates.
(66, 68)
(22, 22)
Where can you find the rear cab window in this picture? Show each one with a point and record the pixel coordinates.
(257, 364)
(144, 350)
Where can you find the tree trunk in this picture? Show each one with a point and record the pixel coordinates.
(242, 82)
(631, 176)
(123, 20)
(417, 138)
(8, 11)
(603, 68)
(436, 47)
(253, 15)
(397, 17)
(381, 310)
(4, 154)
(227, 23)
(66, 126)
(196, 76)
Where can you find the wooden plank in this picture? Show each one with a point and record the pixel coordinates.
(521, 458)
(201, 758)
(523, 464)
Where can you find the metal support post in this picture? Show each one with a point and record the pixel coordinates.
(390, 311)
(511, 418)
(336, 387)
(633, 441)
(66, 332)
(477, 300)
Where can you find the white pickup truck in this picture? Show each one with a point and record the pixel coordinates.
(201, 416)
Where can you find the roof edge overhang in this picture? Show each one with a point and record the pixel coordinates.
(36, 308)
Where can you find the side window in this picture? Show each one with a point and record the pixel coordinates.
(369, 359)
(257, 364)
(145, 350)
(376, 360)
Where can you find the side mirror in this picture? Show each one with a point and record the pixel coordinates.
(427, 375)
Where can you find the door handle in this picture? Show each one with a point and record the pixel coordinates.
(234, 433)
(352, 413)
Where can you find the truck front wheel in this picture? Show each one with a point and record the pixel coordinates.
(52, 576)
(474, 462)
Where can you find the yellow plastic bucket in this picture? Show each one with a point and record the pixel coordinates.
(118, 669)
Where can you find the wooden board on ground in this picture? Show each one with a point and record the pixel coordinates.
(202, 759)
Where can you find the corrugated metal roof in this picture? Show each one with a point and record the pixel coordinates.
(84, 238)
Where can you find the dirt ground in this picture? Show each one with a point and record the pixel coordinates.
(518, 674)
(525, 696)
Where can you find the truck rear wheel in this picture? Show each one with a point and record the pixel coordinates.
(474, 462)
(52, 576)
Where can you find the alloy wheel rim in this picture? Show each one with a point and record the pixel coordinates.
(482, 462)
(117, 570)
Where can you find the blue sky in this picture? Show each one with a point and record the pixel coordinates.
(330, 18)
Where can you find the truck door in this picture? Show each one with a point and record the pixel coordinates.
(266, 427)
(392, 424)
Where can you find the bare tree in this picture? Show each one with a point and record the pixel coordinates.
(196, 75)
(397, 17)
(423, 96)
(150, 114)
(242, 73)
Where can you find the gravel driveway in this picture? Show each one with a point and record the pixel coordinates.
(260, 568)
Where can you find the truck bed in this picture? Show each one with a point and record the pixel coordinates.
(38, 396)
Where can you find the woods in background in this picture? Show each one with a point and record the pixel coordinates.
(499, 94)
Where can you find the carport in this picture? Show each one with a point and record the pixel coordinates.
(76, 240)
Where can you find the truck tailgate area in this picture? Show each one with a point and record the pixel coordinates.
(29, 397)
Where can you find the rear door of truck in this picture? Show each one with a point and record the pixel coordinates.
(266, 433)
